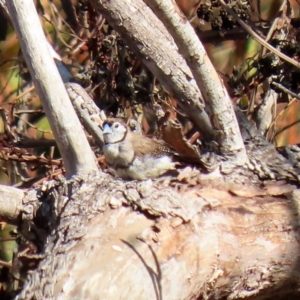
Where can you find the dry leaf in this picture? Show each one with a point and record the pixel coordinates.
(173, 135)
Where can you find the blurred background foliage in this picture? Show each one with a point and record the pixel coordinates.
(119, 83)
(226, 55)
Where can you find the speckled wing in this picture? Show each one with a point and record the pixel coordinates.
(144, 145)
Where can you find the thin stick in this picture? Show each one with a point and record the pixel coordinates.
(72, 143)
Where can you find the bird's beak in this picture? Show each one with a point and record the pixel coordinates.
(106, 129)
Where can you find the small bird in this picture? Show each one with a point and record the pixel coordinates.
(133, 155)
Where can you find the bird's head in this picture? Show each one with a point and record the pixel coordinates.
(114, 131)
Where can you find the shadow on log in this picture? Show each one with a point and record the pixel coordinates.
(169, 239)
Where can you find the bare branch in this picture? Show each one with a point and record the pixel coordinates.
(10, 203)
(91, 116)
(159, 53)
(72, 143)
(208, 80)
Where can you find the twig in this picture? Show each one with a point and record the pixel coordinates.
(5, 264)
(274, 23)
(15, 154)
(70, 137)
(285, 90)
(35, 127)
(23, 94)
(257, 38)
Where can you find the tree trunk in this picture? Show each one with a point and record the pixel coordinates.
(170, 239)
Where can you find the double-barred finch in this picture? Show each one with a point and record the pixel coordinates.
(133, 155)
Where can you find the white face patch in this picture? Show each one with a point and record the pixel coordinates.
(114, 133)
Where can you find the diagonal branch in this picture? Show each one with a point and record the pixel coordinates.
(148, 37)
(208, 80)
(71, 140)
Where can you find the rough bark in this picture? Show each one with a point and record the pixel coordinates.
(150, 240)
(90, 115)
(10, 203)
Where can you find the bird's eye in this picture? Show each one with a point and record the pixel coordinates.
(116, 125)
